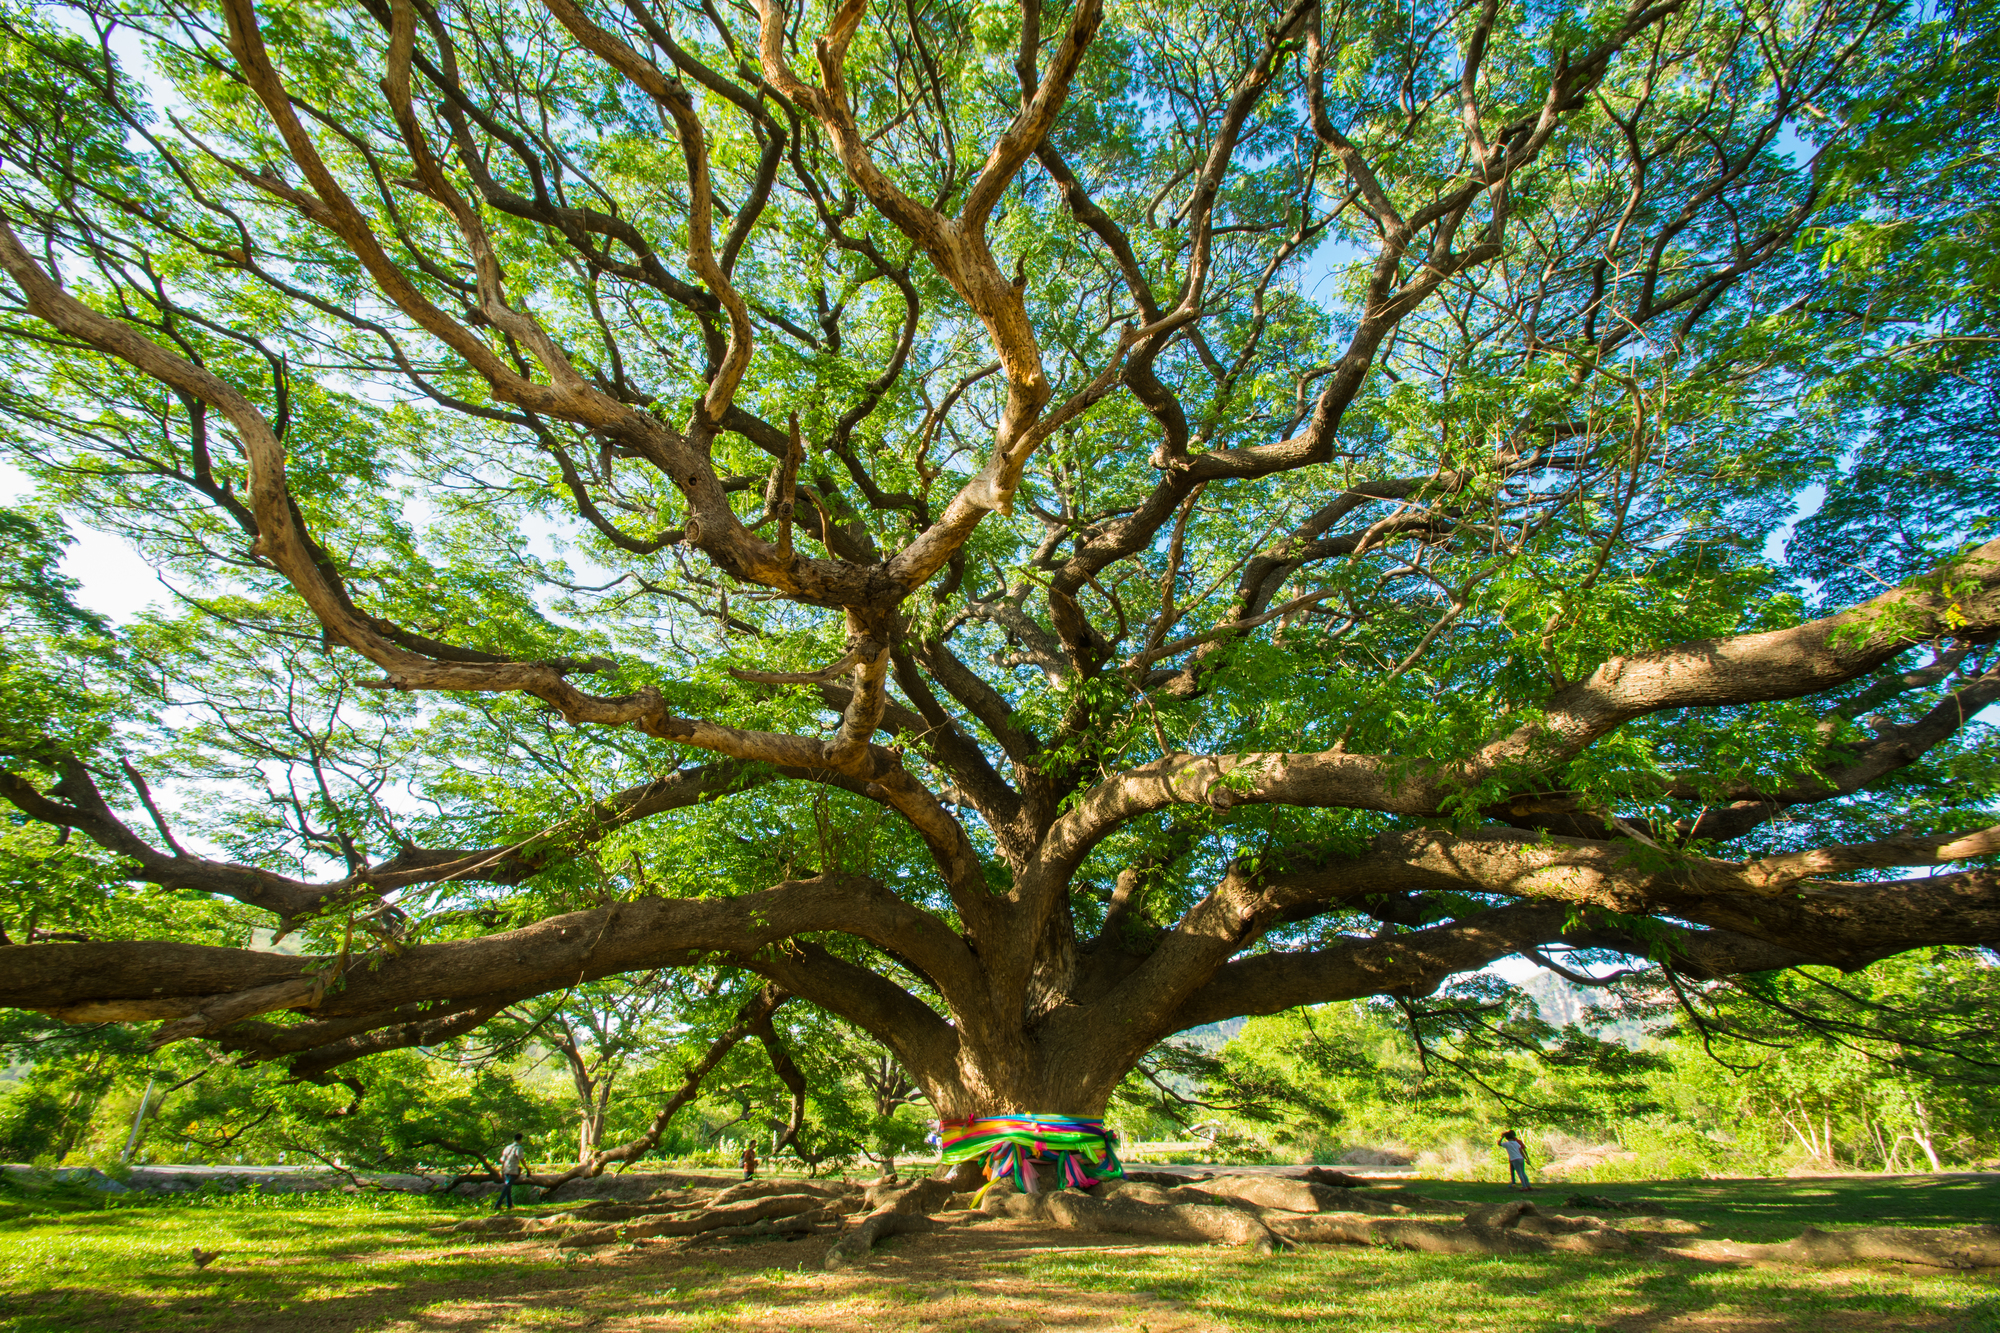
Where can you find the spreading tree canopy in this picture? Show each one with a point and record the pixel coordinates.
(1030, 527)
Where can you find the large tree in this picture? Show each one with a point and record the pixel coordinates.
(1030, 528)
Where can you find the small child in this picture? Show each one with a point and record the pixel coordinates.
(749, 1161)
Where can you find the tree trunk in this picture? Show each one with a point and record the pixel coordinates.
(1802, 1130)
(590, 1115)
(1882, 1149)
(1921, 1135)
(595, 1112)
(1918, 1132)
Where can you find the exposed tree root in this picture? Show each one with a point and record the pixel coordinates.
(605, 1211)
(900, 1209)
(742, 1213)
(1294, 1196)
(1960, 1247)
(760, 1189)
(1501, 1216)
(1321, 1175)
(1598, 1203)
(1399, 1233)
(1508, 1228)
(798, 1224)
(1263, 1213)
(855, 1243)
(1235, 1191)
(1165, 1179)
(507, 1224)
(1659, 1229)
(749, 1208)
(1318, 1175)
(1123, 1214)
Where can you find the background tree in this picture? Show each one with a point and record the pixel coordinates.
(1405, 1077)
(1019, 619)
(898, 1119)
(1896, 1065)
(1653, 1078)
(597, 1031)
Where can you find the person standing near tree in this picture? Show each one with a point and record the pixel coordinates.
(512, 1166)
(1517, 1161)
(749, 1161)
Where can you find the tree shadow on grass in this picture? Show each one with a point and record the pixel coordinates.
(275, 1299)
(961, 1279)
(1779, 1208)
(1400, 1290)
(1342, 1287)
(999, 1275)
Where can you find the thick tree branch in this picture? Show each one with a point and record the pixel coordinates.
(136, 980)
(83, 807)
(1776, 665)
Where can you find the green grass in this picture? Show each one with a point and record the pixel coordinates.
(1355, 1289)
(71, 1260)
(82, 1264)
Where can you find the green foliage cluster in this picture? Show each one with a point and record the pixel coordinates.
(1860, 368)
(1894, 1068)
(75, 1094)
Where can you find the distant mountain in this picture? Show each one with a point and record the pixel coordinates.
(1563, 1002)
(1559, 1002)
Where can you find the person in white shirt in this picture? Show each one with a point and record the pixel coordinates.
(1517, 1161)
(512, 1167)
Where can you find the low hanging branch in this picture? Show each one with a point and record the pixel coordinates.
(751, 1019)
(789, 1074)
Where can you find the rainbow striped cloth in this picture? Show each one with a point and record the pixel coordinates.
(1081, 1149)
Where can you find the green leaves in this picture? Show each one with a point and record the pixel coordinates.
(1474, 1058)
(61, 679)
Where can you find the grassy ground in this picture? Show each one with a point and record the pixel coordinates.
(331, 1262)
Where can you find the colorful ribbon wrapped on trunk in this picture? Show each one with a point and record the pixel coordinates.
(1077, 1150)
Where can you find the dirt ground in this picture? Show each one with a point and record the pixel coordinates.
(946, 1280)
